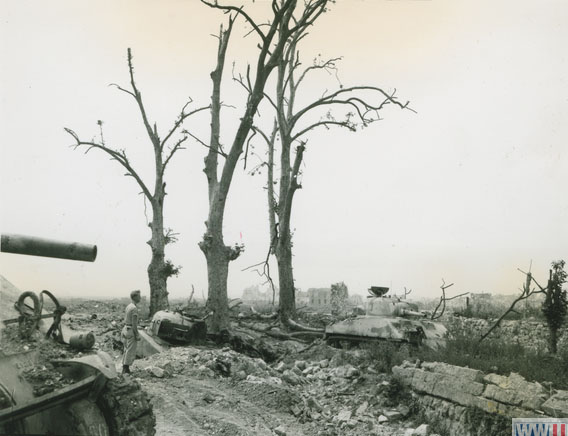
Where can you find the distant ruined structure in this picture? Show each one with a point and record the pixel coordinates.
(319, 297)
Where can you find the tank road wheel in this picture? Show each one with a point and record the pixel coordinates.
(126, 408)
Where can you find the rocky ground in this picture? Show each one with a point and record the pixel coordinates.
(209, 389)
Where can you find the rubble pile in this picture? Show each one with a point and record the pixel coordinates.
(327, 395)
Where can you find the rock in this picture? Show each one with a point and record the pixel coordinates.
(346, 371)
(156, 372)
(404, 410)
(168, 369)
(280, 367)
(261, 364)
(422, 430)
(296, 411)
(351, 423)
(280, 430)
(344, 415)
(300, 364)
(241, 375)
(309, 370)
(514, 390)
(557, 405)
(208, 398)
(324, 363)
(297, 371)
(382, 419)
(312, 403)
(254, 379)
(392, 415)
(291, 378)
(362, 408)
(353, 372)
(453, 371)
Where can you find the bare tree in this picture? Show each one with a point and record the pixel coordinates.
(286, 22)
(159, 269)
(350, 108)
(526, 292)
(441, 307)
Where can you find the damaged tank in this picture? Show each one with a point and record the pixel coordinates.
(176, 328)
(391, 319)
(43, 394)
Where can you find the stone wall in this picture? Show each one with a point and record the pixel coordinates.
(529, 334)
(468, 402)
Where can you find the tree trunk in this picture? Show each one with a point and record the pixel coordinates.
(218, 256)
(287, 290)
(217, 274)
(157, 270)
(553, 340)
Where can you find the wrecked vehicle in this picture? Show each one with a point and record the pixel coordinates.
(391, 319)
(43, 394)
(176, 328)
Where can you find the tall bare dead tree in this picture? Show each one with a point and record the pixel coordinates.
(159, 269)
(350, 108)
(286, 21)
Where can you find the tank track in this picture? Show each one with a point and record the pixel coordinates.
(127, 408)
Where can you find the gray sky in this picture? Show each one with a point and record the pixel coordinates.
(470, 188)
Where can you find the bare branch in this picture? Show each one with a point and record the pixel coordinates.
(311, 13)
(247, 147)
(335, 98)
(119, 156)
(443, 300)
(526, 292)
(138, 96)
(326, 123)
(327, 66)
(181, 118)
(122, 89)
(175, 148)
(239, 11)
(216, 151)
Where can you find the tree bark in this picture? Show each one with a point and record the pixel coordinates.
(287, 290)
(217, 274)
(157, 269)
(553, 339)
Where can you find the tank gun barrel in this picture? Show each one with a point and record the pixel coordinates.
(34, 246)
(408, 312)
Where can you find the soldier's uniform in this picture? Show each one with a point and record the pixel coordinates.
(128, 338)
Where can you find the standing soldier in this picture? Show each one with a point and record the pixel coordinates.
(130, 335)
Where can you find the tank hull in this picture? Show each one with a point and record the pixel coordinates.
(394, 329)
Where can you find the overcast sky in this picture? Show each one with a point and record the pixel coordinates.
(468, 189)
